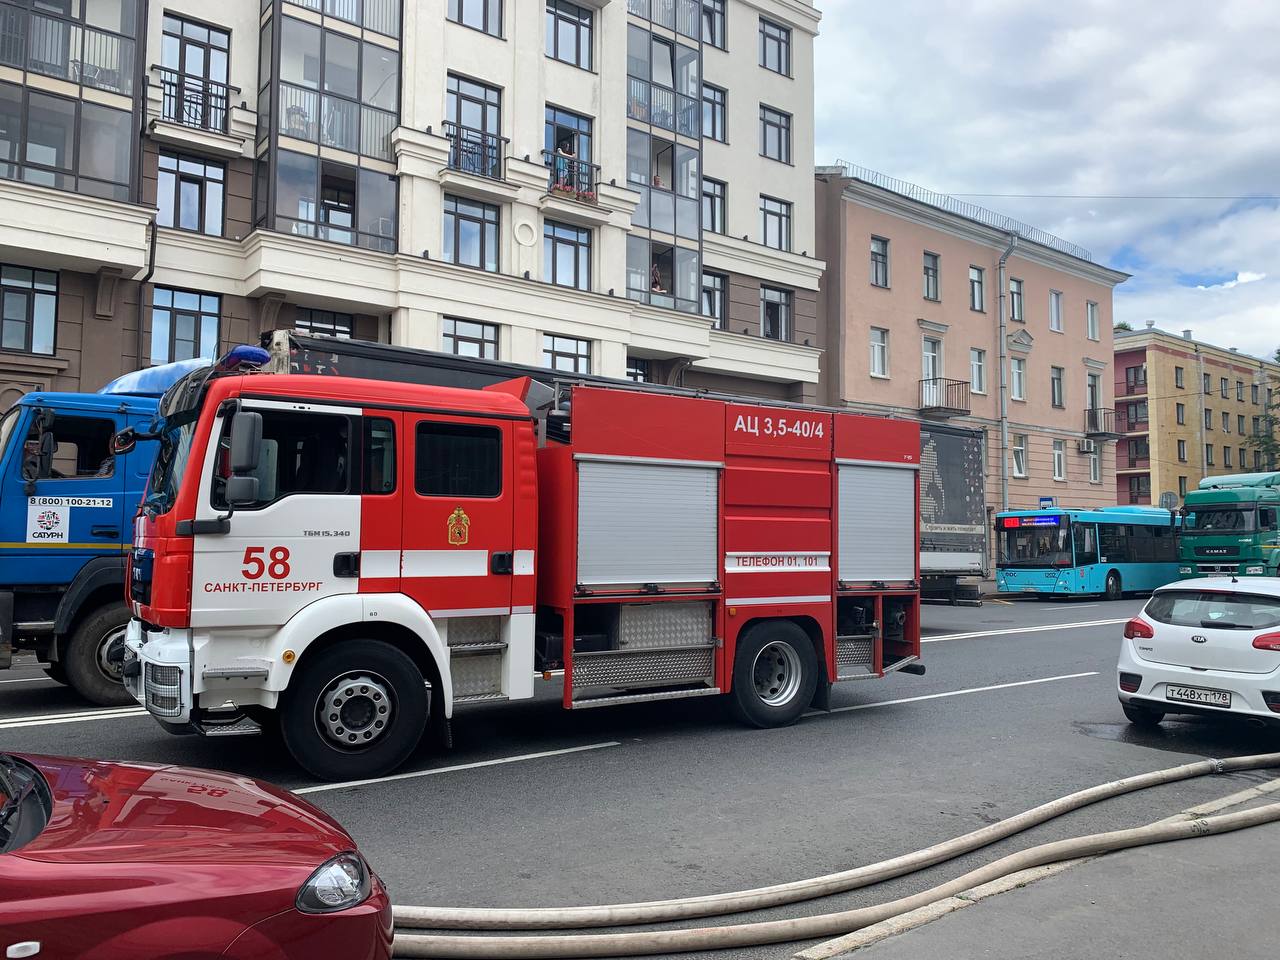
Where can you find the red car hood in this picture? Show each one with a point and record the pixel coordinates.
(147, 813)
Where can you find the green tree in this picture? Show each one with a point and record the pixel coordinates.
(1125, 325)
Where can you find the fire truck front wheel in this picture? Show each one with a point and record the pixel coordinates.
(358, 709)
(775, 673)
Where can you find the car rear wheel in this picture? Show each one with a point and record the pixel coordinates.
(1142, 716)
(357, 710)
(1114, 591)
(94, 659)
(775, 673)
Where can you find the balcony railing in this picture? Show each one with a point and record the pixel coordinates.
(1131, 424)
(1100, 424)
(474, 151)
(571, 177)
(680, 15)
(944, 398)
(335, 122)
(663, 107)
(193, 101)
(1135, 388)
(66, 50)
(1136, 463)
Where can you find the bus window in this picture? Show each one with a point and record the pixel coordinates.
(1086, 542)
(1041, 545)
(1114, 543)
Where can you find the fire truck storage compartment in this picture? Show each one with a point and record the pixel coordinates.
(646, 645)
(476, 651)
(646, 523)
(877, 523)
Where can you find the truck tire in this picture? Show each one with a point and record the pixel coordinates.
(93, 658)
(775, 673)
(1114, 587)
(357, 710)
(56, 672)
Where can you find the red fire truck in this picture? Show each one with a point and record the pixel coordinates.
(351, 558)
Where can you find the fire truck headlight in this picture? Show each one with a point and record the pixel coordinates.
(337, 884)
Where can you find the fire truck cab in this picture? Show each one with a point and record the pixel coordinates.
(353, 558)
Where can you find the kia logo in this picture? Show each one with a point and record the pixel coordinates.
(1198, 638)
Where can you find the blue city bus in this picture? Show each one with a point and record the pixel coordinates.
(1107, 552)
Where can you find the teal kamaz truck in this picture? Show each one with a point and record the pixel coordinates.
(1231, 527)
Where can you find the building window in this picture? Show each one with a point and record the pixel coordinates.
(1018, 378)
(713, 205)
(1226, 455)
(1223, 383)
(1257, 426)
(713, 113)
(977, 370)
(638, 370)
(482, 15)
(1182, 487)
(566, 149)
(567, 354)
(1208, 419)
(931, 264)
(1055, 310)
(715, 297)
(775, 313)
(775, 223)
(1242, 459)
(1182, 451)
(184, 325)
(1140, 488)
(1059, 460)
(1019, 448)
(1208, 384)
(977, 298)
(1208, 454)
(324, 322)
(1257, 459)
(879, 352)
(1240, 391)
(1091, 321)
(1181, 411)
(566, 255)
(775, 47)
(1135, 378)
(470, 338)
(713, 23)
(1179, 380)
(335, 202)
(1056, 375)
(193, 74)
(1095, 467)
(569, 29)
(189, 193)
(471, 233)
(29, 299)
(473, 126)
(775, 134)
(1253, 392)
(1226, 422)
(879, 262)
(1015, 296)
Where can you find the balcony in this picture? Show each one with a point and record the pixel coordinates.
(66, 50)
(663, 107)
(1100, 424)
(1135, 389)
(680, 15)
(1126, 423)
(944, 398)
(193, 101)
(572, 178)
(476, 152)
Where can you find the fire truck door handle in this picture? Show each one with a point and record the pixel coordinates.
(502, 563)
(346, 564)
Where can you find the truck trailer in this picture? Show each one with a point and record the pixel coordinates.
(1230, 527)
(350, 559)
(953, 511)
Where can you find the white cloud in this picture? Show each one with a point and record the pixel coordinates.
(1089, 97)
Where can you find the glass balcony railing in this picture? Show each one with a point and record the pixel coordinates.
(66, 50)
(663, 107)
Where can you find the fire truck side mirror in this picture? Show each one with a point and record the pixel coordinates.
(246, 442)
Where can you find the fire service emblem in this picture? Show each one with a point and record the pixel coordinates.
(459, 525)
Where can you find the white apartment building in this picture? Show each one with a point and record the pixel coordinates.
(620, 187)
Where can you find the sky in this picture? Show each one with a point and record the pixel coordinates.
(1087, 98)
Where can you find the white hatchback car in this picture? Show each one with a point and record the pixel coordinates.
(1208, 646)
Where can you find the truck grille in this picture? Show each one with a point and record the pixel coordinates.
(1216, 569)
(164, 689)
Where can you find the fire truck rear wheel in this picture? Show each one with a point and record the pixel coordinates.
(94, 658)
(358, 709)
(775, 673)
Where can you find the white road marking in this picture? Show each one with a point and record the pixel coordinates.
(951, 693)
(47, 719)
(28, 680)
(1040, 629)
(324, 787)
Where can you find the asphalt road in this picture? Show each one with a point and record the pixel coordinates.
(668, 800)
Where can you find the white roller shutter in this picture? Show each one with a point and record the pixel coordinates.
(646, 523)
(877, 523)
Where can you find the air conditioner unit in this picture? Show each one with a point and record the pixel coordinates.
(1087, 446)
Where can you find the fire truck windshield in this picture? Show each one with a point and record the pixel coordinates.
(175, 449)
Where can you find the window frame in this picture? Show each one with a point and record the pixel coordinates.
(1182, 451)
(1224, 387)
(366, 461)
(1055, 311)
(566, 11)
(719, 289)
(458, 429)
(1208, 454)
(1060, 460)
(783, 216)
(555, 234)
(489, 28)
(718, 19)
(882, 349)
(1179, 378)
(451, 220)
(638, 369)
(32, 294)
(551, 350)
(201, 315)
(1092, 320)
(178, 176)
(784, 300)
(1017, 378)
(775, 35)
(715, 205)
(1017, 312)
(317, 320)
(217, 494)
(977, 289)
(977, 370)
(1058, 387)
(1180, 413)
(715, 107)
(774, 120)
(932, 276)
(1018, 444)
(451, 339)
(879, 262)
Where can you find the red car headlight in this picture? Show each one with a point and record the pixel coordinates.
(337, 884)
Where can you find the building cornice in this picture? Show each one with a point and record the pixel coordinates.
(795, 13)
(1141, 339)
(927, 215)
(757, 260)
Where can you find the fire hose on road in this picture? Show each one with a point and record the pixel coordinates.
(804, 928)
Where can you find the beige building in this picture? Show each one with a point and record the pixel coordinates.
(620, 187)
(941, 311)
(1187, 410)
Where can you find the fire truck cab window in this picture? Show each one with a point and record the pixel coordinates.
(301, 453)
(379, 455)
(457, 460)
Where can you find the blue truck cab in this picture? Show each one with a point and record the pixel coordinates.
(67, 503)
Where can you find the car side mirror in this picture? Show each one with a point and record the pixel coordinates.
(246, 444)
(45, 460)
(242, 491)
(124, 441)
